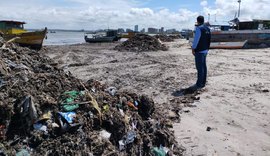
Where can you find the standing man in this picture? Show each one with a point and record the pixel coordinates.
(200, 49)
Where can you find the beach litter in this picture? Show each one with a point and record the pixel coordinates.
(47, 111)
(164, 38)
(141, 42)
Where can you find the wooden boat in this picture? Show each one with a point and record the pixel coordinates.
(248, 34)
(98, 39)
(253, 37)
(237, 39)
(15, 29)
(108, 36)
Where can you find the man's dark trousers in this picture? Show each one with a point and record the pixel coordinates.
(200, 61)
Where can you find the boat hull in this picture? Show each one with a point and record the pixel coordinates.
(253, 37)
(99, 39)
(238, 39)
(32, 40)
(228, 45)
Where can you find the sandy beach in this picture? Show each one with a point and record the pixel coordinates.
(234, 107)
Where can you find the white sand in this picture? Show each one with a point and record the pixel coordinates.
(234, 106)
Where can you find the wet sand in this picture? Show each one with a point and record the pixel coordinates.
(234, 105)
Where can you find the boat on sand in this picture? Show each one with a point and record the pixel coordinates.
(15, 30)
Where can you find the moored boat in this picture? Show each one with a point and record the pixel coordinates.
(98, 39)
(253, 37)
(109, 36)
(251, 34)
(15, 29)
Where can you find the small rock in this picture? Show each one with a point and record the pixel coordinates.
(208, 129)
(172, 114)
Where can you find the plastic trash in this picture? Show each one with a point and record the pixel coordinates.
(134, 125)
(41, 127)
(28, 109)
(68, 116)
(111, 90)
(68, 100)
(136, 103)
(23, 152)
(121, 145)
(68, 108)
(104, 134)
(91, 114)
(127, 139)
(2, 83)
(46, 116)
(55, 125)
(65, 121)
(122, 112)
(130, 137)
(158, 151)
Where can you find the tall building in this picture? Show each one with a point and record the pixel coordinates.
(161, 30)
(152, 30)
(171, 31)
(120, 30)
(129, 30)
(143, 30)
(136, 28)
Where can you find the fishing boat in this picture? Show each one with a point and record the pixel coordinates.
(15, 30)
(238, 35)
(98, 39)
(256, 33)
(108, 36)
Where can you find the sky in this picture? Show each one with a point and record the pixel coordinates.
(103, 14)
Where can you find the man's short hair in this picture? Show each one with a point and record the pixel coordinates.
(200, 20)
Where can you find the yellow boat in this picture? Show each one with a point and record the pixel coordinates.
(15, 29)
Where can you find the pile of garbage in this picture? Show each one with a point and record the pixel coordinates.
(141, 42)
(46, 111)
(164, 38)
(175, 36)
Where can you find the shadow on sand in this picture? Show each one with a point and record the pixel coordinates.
(185, 91)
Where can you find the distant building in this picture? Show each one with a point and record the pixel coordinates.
(186, 33)
(152, 30)
(171, 31)
(161, 30)
(120, 30)
(136, 28)
(129, 30)
(143, 30)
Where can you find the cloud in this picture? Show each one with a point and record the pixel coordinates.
(225, 10)
(116, 14)
(141, 12)
(203, 3)
(100, 14)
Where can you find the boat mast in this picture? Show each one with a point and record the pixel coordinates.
(239, 1)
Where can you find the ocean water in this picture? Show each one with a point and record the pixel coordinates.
(64, 37)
